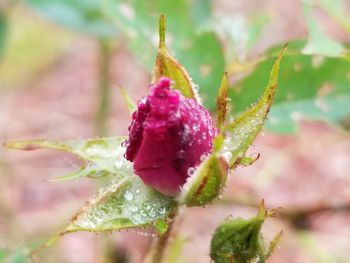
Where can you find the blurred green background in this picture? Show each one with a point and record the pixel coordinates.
(61, 62)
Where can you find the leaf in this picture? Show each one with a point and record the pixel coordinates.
(201, 13)
(318, 42)
(127, 204)
(221, 102)
(19, 255)
(25, 44)
(198, 50)
(240, 133)
(204, 60)
(161, 226)
(128, 101)
(3, 32)
(167, 66)
(240, 240)
(313, 88)
(100, 156)
(206, 183)
(337, 10)
(79, 15)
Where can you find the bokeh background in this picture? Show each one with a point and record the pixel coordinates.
(61, 62)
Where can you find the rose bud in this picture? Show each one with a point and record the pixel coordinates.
(168, 136)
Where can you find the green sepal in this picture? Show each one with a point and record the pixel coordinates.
(242, 131)
(240, 240)
(206, 183)
(167, 66)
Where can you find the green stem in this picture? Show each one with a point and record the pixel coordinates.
(159, 246)
(104, 88)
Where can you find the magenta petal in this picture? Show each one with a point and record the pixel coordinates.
(167, 136)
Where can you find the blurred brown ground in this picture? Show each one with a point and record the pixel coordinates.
(306, 174)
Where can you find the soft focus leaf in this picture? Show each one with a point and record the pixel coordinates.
(240, 134)
(313, 87)
(128, 101)
(206, 183)
(240, 240)
(3, 31)
(3, 254)
(221, 102)
(80, 15)
(198, 50)
(205, 63)
(25, 44)
(167, 66)
(20, 255)
(318, 42)
(336, 9)
(201, 12)
(100, 156)
(127, 204)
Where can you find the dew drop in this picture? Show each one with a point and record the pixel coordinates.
(203, 157)
(128, 196)
(227, 156)
(118, 164)
(191, 171)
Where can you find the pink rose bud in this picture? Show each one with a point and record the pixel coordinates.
(167, 137)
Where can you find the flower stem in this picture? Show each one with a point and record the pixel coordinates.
(104, 87)
(159, 246)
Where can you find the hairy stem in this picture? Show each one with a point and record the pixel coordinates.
(159, 246)
(104, 88)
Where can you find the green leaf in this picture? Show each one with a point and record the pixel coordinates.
(80, 15)
(167, 66)
(20, 255)
(128, 101)
(240, 240)
(221, 102)
(25, 43)
(318, 42)
(3, 254)
(246, 161)
(204, 60)
(100, 156)
(127, 204)
(206, 183)
(240, 134)
(313, 88)
(201, 13)
(3, 31)
(161, 226)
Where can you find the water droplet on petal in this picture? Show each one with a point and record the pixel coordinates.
(191, 171)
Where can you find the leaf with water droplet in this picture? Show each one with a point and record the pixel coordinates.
(240, 134)
(100, 156)
(167, 66)
(240, 240)
(128, 204)
(206, 183)
(221, 102)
